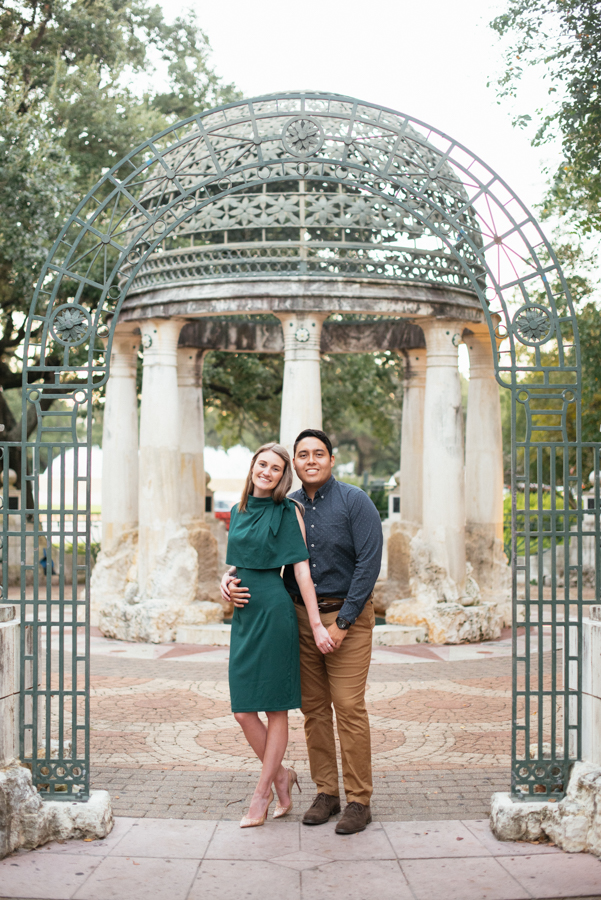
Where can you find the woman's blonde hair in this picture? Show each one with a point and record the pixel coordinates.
(283, 485)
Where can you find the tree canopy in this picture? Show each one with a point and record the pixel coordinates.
(562, 40)
(82, 82)
(361, 398)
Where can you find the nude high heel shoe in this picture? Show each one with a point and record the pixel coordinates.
(246, 822)
(284, 810)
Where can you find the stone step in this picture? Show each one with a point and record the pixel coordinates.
(212, 635)
(398, 635)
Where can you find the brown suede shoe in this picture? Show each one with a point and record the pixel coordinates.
(355, 817)
(321, 809)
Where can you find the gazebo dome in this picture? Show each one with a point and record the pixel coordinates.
(308, 227)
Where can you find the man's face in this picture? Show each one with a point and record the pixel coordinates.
(312, 462)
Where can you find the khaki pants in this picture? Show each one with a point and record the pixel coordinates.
(337, 679)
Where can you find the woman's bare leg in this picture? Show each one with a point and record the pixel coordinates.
(256, 734)
(275, 748)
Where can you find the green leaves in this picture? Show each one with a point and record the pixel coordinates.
(562, 38)
(82, 82)
(361, 397)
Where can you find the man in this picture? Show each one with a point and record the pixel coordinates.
(344, 538)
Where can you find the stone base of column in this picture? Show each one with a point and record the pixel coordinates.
(115, 576)
(202, 538)
(572, 824)
(396, 584)
(27, 821)
(180, 591)
(448, 623)
(490, 567)
(450, 616)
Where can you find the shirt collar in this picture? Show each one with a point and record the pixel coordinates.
(322, 491)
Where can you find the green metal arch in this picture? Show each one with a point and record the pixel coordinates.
(385, 154)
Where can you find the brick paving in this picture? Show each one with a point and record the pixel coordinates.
(398, 796)
(165, 745)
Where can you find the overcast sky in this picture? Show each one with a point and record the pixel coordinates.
(430, 59)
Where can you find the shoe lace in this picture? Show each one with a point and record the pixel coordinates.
(321, 800)
(356, 806)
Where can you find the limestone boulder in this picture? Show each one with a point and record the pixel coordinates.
(516, 820)
(448, 623)
(202, 612)
(486, 554)
(448, 615)
(27, 821)
(175, 575)
(114, 575)
(202, 538)
(574, 824)
(171, 599)
(399, 555)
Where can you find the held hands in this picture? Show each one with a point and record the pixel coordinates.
(322, 638)
(337, 635)
(233, 592)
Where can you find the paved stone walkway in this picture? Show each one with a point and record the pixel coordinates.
(410, 795)
(164, 742)
(151, 859)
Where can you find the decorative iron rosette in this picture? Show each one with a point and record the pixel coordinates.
(532, 325)
(70, 324)
(303, 136)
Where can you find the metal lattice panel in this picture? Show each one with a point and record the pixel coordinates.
(303, 228)
(361, 161)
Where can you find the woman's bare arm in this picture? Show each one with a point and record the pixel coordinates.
(302, 573)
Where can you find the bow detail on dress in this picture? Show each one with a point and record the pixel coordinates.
(277, 512)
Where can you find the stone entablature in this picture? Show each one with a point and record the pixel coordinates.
(303, 295)
(232, 335)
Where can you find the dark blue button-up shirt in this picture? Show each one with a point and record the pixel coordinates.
(344, 538)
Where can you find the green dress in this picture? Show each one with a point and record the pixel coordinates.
(264, 669)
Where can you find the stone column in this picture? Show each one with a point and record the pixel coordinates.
(160, 498)
(301, 394)
(412, 436)
(443, 495)
(201, 533)
(398, 547)
(120, 439)
(192, 438)
(484, 465)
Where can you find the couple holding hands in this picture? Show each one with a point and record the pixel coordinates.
(304, 640)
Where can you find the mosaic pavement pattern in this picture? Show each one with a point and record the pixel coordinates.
(165, 744)
(168, 706)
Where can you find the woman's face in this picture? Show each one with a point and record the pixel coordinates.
(267, 472)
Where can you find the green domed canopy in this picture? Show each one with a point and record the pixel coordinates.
(312, 189)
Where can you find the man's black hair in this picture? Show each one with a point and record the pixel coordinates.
(315, 433)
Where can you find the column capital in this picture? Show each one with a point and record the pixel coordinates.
(189, 367)
(480, 349)
(126, 328)
(414, 369)
(159, 340)
(124, 350)
(443, 337)
(302, 334)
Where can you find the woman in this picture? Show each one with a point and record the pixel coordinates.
(267, 532)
